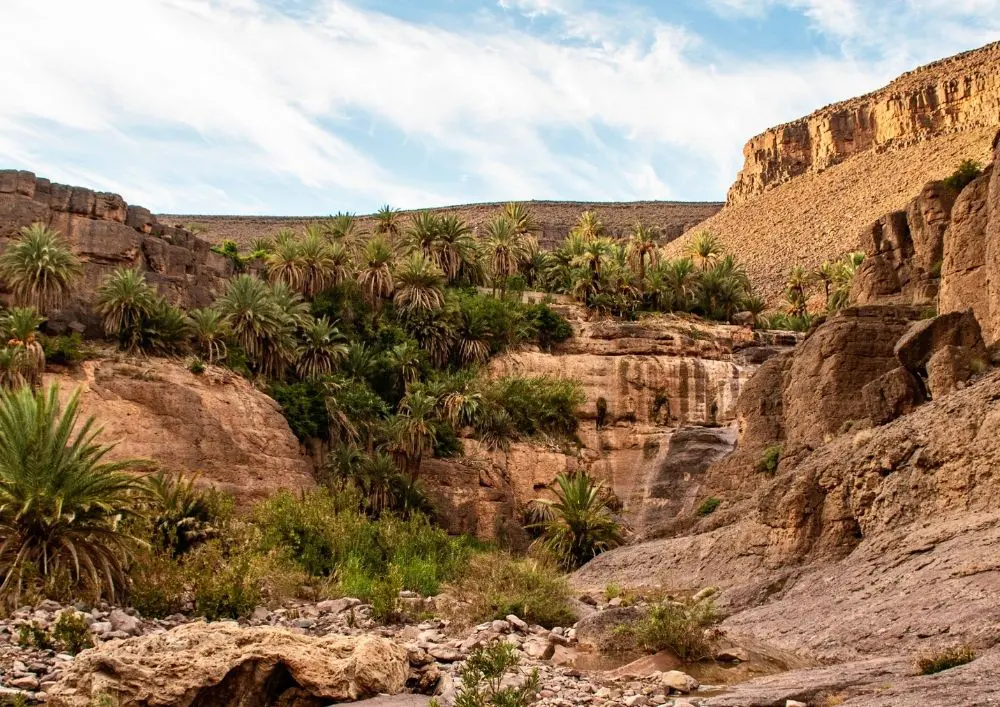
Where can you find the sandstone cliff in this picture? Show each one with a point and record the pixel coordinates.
(215, 425)
(948, 96)
(108, 233)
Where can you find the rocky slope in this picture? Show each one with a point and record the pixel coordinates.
(106, 233)
(554, 217)
(810, 189)
(215, 425)
(667, 387)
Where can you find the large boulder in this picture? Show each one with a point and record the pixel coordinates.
(874, 280)
(895, 393)
(219, 664)
(923, 338)
(963, 275)
(927, 217)
(950, 368)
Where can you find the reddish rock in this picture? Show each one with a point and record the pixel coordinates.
(963, 275)
(922, 339)
(895, 393)
(950, 368)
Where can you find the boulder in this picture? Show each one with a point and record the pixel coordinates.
(949, 369)
(927, 217)
(874, 280)
(895, 393)
(679, 682)
(222, 663)
(923, 338)
(963, 275)
(597, 632)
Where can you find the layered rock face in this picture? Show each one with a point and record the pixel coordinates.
(644, 382)
(216, 426)
(106, 233)
(948, 96)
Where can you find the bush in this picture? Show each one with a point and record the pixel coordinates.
(33, 636)
(549, 326)
(496, 585)
(304, 407)
(539, 404)
(768, 463)
(158, 586)
(66, 350)
(71, 632)
(951, 658)
(488, 679)
(708, 506)
(670, 625)
(196, 366)
(966, 172)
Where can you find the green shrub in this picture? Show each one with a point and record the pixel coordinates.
(966, 172)
(496, 585)
(158, 585)
(549, 326)
(33, 636)
(196, 366)
(227, 585)
(539, 404)
(304, 406)
(386, 606)
(66, 350)
(489, 679)
(671, 625)
(950, 658)
(708, 506)
(71, 632)
(768, 463)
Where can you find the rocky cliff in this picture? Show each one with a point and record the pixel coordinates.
(660, 402)
(107, 233)
(948, 96)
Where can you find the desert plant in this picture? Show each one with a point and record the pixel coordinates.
(419, 284)
(945, 660)
(704, 249)
(39, 268)
(71, 633)
(375, 272)
(20, 326)
(60, 502)
(489, 679)
(708, 506)
(506, 249)
(208, 331)
(578, 525)
(126, 301)
(768, 463)
(963, 175)
(259, 323)
(678, 626)
(321, 349)
(181, 515)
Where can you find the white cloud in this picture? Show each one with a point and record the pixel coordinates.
(499, 112)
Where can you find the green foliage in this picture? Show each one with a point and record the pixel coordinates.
(945, 660)
(229, 583)
(678, 626)
(963, 175)
(304, 407)
(551, 328)
(489, 679)
(158, 585)
(538, 404)
(579, 524)
(126, 301)
(39, 268)
(60, 501)
(181, 515)
(31, 635)
(494, 586)
(65, 350)
(768, 463)
(196, 366)
(708, 506)
(71, 632)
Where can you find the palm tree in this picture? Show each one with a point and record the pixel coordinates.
(405, 358)
(474, 337)
(126, 301)
(322, 348)
(375, 273)
(422, 234)
(419, 284)
(704, 249)
(61, 503)
(180, 514)
(798, 280)
(342, 227)
(415, 431)
(359, 362)
(208, 329)
(682, 281)
(827, 273)
(21, 328)
(642, 245)
(259, 325)
(506, 248)
(594, 252)
(291, 304)
(524, 224)
(588, 227)
(456, 247)
(13, 367)
(579, 524)
(321, 264)
(284, 264)
(39, 268)
(386, 222)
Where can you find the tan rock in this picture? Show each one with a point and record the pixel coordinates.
(892, 394)
(963, 276)
(222, 663)
(679, 682)
(215, 425)
(923, 338)
(950, 368)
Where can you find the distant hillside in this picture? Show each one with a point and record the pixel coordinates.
(555, 218)
(809, 187)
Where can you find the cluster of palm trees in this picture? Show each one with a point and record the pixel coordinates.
(836, 278)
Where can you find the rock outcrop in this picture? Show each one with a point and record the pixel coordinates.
(215, 425)
(106, 233)
(225, 664)
(948, 96)
(643, 381)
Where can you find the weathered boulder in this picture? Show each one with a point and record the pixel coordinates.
(950, 368)
(874, 280)
(597, 631)
(892, 394)
(223, 664)
(923, 338)
(963, 275)
(927, 217)
(215, 425)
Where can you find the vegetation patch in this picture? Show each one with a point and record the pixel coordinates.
(769, 460)
(678, 626)
(708, 506)
(963, 175)
(945, 660)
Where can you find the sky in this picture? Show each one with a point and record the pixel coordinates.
(310, 107)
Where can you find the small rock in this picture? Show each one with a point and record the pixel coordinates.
(587, 599)
(260, 614)
(444, 654)
(795, 703)
(28, 682)
(101, 627)
(517, 623)
(500, 626)
(681, 682)
(616, 602)
(635, 701)
(120, 621)
(335, 606)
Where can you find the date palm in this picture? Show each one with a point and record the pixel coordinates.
(704, 249)
(524, 224)
(405, 358)
(321, 349)
(39, 268)
(285, 264)
(642, 247)
(21, 328)
(474, 338)
(415, 429)
(61, 503)
(322, 264)
(342, 227)
(375, 273)
(13, 368)
(681, 280)
(798, 280)
(259, 325)
(594, 253)
(506, 250)
(126, 302)
(386, 222)
(419, 284)
(578, 525)
(826, 273)
(455, 248)
(209, 331)
(436, 331)
(588, 227)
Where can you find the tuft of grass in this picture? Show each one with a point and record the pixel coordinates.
(490, 679)
(945, 660)
(678, 626)
(71, 632)
(768, 463)
(708, 506)
(963, 175)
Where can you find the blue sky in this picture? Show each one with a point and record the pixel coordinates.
(307, 107)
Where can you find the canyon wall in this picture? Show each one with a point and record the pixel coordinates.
(948, 96)
(106, 233)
